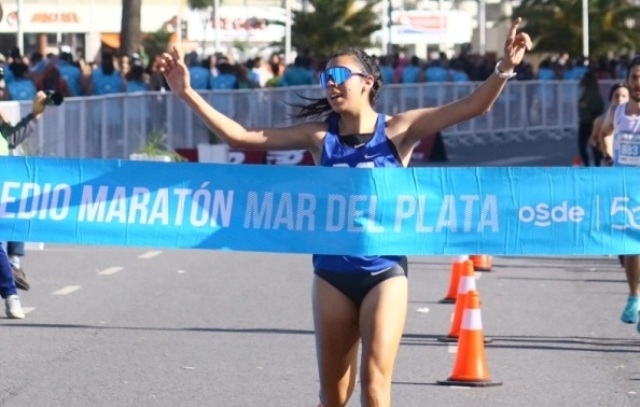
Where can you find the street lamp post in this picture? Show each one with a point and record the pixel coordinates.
(482, 26)
(389, 28)
(179, 22)
(216, 25)
(20, 34)
(58, 22)
(585, 28)
(287, 35)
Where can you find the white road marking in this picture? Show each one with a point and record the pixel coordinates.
(181, 271)
(109, 271)
(512, 161)
(67, 290)
(452, 348)
(27, 310)
(150, 254)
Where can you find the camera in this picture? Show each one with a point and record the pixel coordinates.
(53, 98)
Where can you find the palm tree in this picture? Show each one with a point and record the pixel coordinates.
(556, 25)
(334, 24)
(130, 31)
(201, 4)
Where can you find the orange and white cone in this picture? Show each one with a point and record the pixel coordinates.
(481, 262)
(456, 267)
(466, 284)
(470, 368)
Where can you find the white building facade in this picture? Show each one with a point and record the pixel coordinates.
(249, 24)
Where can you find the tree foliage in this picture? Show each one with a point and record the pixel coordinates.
(157, 42)
(556, 25)
(333, 25)
(201, 4)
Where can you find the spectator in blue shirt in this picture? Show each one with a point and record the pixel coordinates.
(106, 79)
(198, 73)
(226, 78)
(298, 74)
(457, 71)
(21, 88)
(135, 80)
(69, 71)
(411, 72)
(436, 72)
(386, 70)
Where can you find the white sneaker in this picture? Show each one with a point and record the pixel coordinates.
(13, 309)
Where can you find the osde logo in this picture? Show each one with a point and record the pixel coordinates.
(544, 214)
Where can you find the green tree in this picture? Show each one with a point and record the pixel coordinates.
(333, 25)
(556, 25)
(201, 4)
(130, 31)
(156, 43)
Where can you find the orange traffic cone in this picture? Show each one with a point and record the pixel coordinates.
(456, 266)
(470, 368)
(466, 284)
(481, 262)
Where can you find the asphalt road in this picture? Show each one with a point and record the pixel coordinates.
(112, 326)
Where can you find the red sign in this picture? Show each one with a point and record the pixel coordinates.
(427, 22)
(69, 18)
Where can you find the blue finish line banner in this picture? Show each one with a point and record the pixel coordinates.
(290, 209)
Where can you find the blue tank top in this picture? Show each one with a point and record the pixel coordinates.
(376, 153)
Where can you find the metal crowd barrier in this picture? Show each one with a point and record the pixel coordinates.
(116, 126)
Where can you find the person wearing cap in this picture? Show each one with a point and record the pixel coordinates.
(199, 74)
(69, 71)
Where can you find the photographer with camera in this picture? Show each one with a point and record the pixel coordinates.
(13, 277)
(47, 77)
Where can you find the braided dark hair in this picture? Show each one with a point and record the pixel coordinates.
(320, 107)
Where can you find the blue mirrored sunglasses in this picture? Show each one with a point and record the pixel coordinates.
(338, 74)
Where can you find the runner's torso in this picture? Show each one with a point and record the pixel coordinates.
(626, 138)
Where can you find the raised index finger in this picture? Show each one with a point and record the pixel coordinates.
(514, 28)
(176, 53)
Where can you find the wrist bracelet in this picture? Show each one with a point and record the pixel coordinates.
(503, 75)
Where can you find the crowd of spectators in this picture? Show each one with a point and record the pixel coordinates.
(24, 76)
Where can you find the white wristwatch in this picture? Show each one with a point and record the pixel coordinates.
(503, 75)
